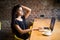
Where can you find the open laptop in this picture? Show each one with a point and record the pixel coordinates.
(51, 24)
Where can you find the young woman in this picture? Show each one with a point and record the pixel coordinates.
(18, 25)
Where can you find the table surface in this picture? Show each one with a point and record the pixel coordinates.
(36, 35)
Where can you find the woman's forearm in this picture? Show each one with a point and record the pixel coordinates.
(21, 30)
(26, 31)
(28, 11)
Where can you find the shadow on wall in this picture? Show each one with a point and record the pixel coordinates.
(5, 32)
(5, 36)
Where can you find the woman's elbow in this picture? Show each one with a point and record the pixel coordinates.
(30, 10)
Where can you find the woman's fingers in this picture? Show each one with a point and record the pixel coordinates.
(35, 29)
(38, 29)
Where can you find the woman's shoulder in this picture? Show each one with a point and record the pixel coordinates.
(17, 22)
(19, 19)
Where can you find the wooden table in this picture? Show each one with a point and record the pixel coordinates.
(36, 35)
(0, 25)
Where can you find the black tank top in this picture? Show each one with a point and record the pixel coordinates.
(22, 25)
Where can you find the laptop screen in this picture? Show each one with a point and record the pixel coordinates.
(52, 23)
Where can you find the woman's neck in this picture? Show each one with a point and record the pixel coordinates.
(19, 17)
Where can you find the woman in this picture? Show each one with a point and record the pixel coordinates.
(18, 24)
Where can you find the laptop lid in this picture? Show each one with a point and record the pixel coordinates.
(52, 23)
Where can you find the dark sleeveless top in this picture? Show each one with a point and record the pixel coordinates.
(23, 26)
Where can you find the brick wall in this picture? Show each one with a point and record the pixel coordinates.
(48, 8)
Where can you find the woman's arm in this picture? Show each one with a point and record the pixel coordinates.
(22, 31)
(28, 11)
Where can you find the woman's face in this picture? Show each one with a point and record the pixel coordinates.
(20, 11)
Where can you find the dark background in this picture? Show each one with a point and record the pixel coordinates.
(48, 8)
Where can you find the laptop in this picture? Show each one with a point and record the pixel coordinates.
(51, 24)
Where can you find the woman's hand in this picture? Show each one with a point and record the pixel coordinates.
(28, 11)
(38, 29)
(41, 29)
(35, 29)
